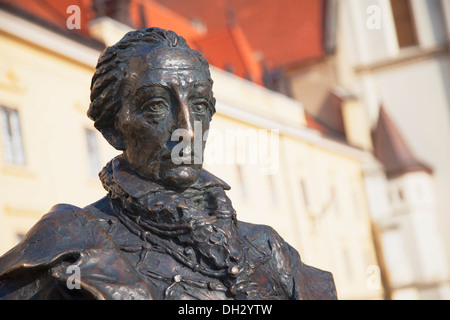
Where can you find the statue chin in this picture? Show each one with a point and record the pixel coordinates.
(180, 178)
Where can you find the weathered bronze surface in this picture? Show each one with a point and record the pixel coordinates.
(164, 230)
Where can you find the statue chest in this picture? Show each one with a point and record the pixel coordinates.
(214, 261)
(171, 278)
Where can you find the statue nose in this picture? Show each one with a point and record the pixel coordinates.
(184, 121)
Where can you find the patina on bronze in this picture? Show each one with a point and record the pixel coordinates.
(164, 230)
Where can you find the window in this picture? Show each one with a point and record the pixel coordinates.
(398, 263)
(304, 193)
(419, 192)
(19, 237)
(401, 197)
(11, 132)
(348, 266)
(356, 203)
(93, 153)
(404, 23)
(272, 189)
(241, 179)
(334, 201)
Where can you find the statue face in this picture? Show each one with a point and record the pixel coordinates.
(166, 90)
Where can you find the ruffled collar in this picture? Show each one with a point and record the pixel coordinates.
(197, 227)
(201, 217)
(115, 175)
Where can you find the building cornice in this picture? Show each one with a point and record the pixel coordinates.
(308, 136)
(405, 57)
(46, 39)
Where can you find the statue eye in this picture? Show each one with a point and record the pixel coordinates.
(155, 106)
(200, 107)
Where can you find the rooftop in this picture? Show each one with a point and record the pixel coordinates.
(392, 150)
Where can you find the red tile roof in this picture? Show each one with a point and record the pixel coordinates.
(283, 31)
(227, 47)
(54, 12)
(159, 16)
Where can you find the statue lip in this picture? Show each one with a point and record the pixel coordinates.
(186, 157)
(186, 160)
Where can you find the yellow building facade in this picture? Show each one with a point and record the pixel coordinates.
(48, 92)
(307, 187)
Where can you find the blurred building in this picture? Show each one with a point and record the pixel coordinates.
(393, 56)
(383, 85)
(284, 170)
(374, 74)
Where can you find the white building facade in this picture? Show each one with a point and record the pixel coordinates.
(395, 54)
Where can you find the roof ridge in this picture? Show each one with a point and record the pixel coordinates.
(392, 150)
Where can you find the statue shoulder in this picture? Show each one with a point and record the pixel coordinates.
(36, 268)
(304, 281)
(257, 231)
(65, 228)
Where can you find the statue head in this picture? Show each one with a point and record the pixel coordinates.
(146, 87)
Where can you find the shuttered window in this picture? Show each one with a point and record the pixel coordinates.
(11, 132)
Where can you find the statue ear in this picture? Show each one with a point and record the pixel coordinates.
(114, 138)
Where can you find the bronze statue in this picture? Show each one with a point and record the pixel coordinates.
(164, 230)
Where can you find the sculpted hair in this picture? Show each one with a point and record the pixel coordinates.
(107, 85)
